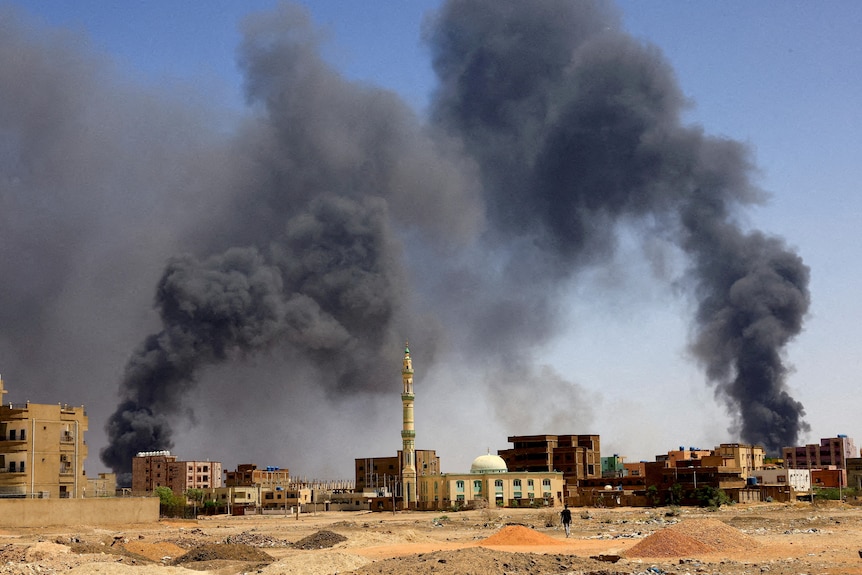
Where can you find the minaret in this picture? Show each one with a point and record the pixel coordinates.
(408, 433)
(2, 391)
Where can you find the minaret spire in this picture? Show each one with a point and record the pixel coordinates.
(408, 432)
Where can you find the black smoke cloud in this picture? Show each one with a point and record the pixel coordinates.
(576, 129)
(333, 221)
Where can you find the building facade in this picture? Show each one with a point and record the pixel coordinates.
(383, 474)
(194, 475)
(151, 469)
(42, 450)
(748, 458)
(490, 483)
(578, 457)
(831, 451)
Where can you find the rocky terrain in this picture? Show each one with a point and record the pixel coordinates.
(775, 539)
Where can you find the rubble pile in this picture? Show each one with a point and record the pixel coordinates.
(255, 540)
(319, 540)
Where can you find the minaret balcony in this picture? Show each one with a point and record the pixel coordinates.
(408, 434)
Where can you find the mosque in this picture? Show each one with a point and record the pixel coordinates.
(489, 481)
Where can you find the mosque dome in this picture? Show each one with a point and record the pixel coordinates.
(488, 464)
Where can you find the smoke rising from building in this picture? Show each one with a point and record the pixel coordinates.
(300, 233)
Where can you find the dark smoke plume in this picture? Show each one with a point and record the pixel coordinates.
(577, 130)
(333, 222)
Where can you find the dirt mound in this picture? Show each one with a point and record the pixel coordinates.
(223, 551)
(319, 540)
(520, 535)
(692, 537)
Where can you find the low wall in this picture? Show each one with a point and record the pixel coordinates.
(96, 511)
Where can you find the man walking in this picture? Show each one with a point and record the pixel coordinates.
(566, 518)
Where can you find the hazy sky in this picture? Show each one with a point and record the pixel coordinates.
(783, 78)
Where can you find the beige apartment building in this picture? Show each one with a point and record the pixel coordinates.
(42, 450)
(748, 458)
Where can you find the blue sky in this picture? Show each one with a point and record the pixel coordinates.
(784, 77)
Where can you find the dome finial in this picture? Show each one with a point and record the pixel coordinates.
(406, 346)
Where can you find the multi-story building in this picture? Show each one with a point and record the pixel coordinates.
(194, 475)
(382, 473)
(831, 451)
(576, 456)
(42, 450)
(151, 469)
(613, 466)
(748, 458)
(683, 454)
(248, 474)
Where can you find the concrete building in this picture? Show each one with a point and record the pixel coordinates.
(748, 458)
(151, 469)
(578, 457)
(490, 483)
(248, 474)
(383, 473)
(194, 475)
(104, 485)
(42, 449)
(613, 466)
(831, 451)
(683, 454)
(798, 480)
(854, 472)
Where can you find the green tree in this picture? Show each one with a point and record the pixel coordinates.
(652, 495)
(711, 497)
(196, 497)
(170, 504)
(674, 494)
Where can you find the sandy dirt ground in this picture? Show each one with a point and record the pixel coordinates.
(777, 539)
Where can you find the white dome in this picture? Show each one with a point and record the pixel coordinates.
(488, 464)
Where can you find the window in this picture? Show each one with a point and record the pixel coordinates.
(22, 467)
(11, 435)
(498, 484)
(477, 485)
(459, 485)
(516, 483)
(11, 467)
(529, 483)
(23, 435)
